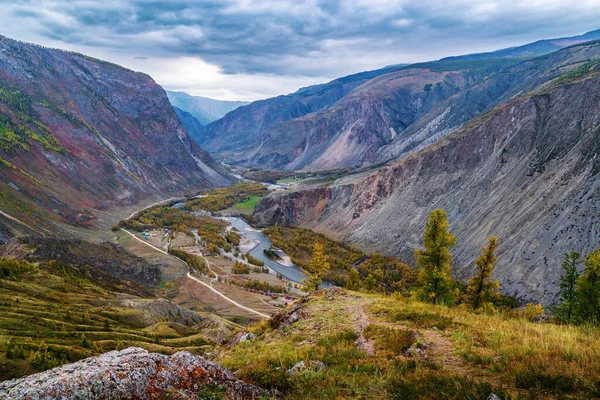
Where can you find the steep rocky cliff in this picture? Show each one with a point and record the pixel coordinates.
(239, 129)
(78, 135)
(133, 374)
(526, 172)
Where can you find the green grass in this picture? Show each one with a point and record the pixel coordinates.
(289, 180)
(60, 307)
(223, 198)
(248, 205)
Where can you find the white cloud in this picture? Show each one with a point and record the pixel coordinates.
(196, 77)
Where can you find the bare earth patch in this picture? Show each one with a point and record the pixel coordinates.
(362, 321)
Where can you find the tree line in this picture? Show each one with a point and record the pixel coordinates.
(434, 282)
(579, 300)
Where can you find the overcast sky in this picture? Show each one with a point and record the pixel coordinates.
(252, 49)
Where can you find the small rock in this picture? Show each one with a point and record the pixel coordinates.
(493, 396)
(302, 366)
(541, 318)
(416, 351)
(248, 336)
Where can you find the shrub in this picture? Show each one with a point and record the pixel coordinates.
(240, 268)
(266, 375)
(10, 268)
(395, 341)
(532, 378)
(254, 261)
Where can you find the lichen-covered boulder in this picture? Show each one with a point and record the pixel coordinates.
(132, 373)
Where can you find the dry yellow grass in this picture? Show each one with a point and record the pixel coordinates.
(468, 355)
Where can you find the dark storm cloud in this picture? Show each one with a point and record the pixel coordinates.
(289, 37)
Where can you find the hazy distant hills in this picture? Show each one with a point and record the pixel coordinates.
(205, 110)
(193, 126)
(79, 136)
(378, 115)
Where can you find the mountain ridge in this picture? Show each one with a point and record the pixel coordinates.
(282, 133)
(79, 136)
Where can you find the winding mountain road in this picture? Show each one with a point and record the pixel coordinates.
(189, 275)
(152, 205)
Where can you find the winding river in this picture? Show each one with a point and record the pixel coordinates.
(293, 273)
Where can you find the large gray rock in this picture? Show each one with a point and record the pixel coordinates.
(131, 373)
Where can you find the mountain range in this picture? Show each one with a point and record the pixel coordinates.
(205, 110)
(525, 171)
(505, 144)
(379, 115)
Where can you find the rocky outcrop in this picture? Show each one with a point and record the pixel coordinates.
(157, 310)
(133, 373)
(107, 258)
(526, 172)
(80, 136)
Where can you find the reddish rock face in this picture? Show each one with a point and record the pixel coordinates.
(526, 172)
(132, 373)
(87, 135)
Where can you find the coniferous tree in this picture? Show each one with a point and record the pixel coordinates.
(588, 289)
(569, 299)
(317, 266)
(480, 288)
(370, 283)
(435, 261)
(353, 282)
(84, 342)
(42, 359)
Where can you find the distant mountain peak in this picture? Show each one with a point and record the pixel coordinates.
(204, 109)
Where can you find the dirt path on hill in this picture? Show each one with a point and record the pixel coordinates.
(17, 220)
(362, 321)
(440, 347)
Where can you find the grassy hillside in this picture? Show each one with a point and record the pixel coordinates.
(52, 313)
(381, 347)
